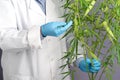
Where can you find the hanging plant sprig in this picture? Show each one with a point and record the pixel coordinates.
(91, 5)
(109, 30)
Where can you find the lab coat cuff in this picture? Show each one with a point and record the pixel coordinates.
(77, 61)
(41, 36)
(34, 39)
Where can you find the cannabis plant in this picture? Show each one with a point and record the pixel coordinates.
(96, 26)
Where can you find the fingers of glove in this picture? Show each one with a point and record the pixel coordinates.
(87, 68)
(95, 68)
(62, 29)
(96, 63)
(51, 28)
(59, 24)
(68, 25)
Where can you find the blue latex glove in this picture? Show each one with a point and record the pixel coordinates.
(55, 28)
(87, 65)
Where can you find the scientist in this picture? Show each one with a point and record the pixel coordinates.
(28, 38)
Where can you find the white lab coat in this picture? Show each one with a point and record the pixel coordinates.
(26, 55)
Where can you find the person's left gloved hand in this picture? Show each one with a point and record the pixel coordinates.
(55, 28)
(88, 65)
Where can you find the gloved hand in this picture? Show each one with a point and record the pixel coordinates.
(87, 65)
(55, 28)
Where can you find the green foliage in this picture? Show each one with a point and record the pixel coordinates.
(96, 25)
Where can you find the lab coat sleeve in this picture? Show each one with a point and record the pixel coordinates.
(14, 39)
(34, 37)
(11, 38)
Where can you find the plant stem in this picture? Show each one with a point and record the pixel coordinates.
(89, 76)
(93, 76)
(101, 74)
(102, 44)
(104, 69)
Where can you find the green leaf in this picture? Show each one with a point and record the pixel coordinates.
(90, 7)
(93, 55)
(66, 55)
(65, 15)
(108, 29)
(63, 66)
(67, 32)
(96, 34)
(72, 75)
(67, 74)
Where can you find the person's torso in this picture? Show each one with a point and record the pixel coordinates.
(42, 64)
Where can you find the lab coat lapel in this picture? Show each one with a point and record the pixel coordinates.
(35, 7)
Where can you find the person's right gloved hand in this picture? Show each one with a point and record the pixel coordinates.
(88, 65)
(55, 28)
